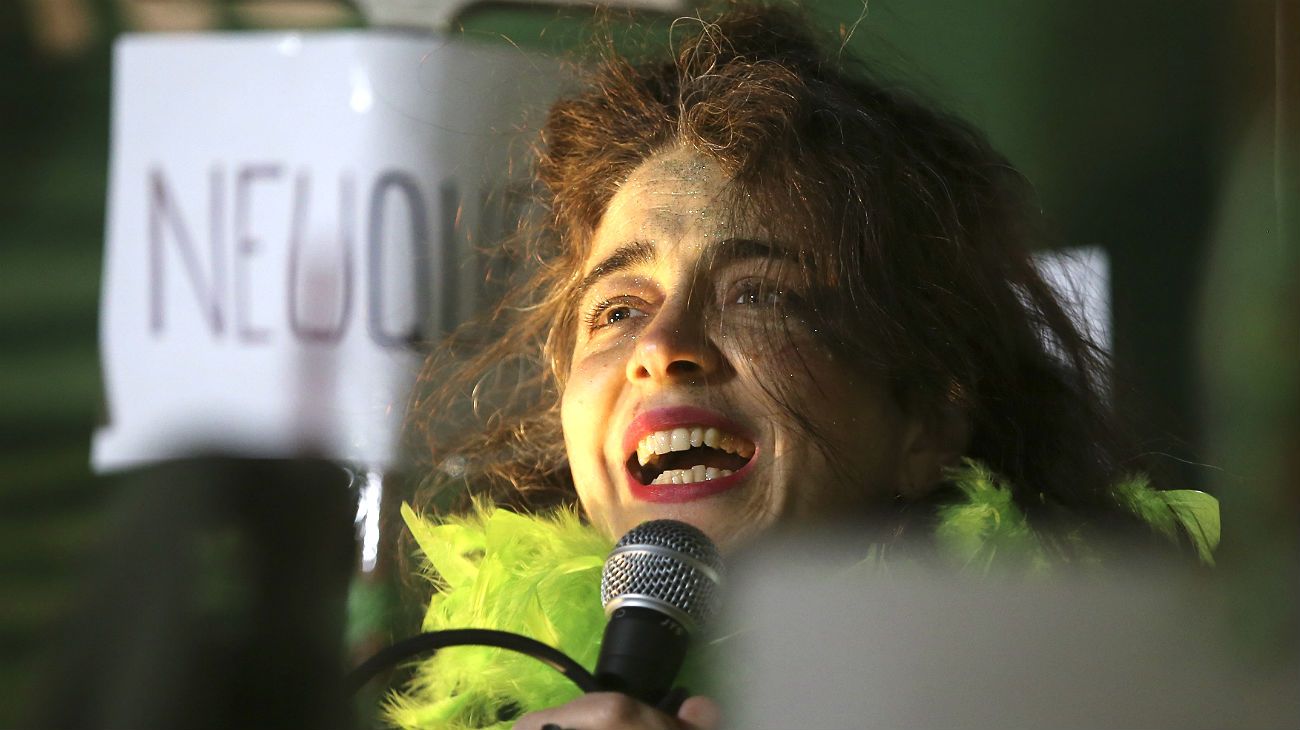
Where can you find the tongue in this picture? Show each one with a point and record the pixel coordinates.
(700, 456)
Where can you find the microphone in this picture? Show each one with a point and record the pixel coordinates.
(659, 586)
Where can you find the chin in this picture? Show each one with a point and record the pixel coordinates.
(727, 516)
(716, 518)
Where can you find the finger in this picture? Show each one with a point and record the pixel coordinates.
(600, 711)
(700, 713)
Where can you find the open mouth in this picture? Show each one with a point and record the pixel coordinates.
(688, 455)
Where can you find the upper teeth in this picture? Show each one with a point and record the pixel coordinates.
(681, 439)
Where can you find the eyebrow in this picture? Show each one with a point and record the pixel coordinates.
(623, 258)
(727, 251)
(731, 250)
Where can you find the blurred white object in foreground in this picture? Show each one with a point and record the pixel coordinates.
(1148, 647)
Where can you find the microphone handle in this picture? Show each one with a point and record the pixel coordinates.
(641, 653)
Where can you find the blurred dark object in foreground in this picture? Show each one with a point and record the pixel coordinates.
(1249, 340)
(218, 603)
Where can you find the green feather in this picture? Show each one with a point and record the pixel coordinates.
(536, 576)
(1169, 512)
(987, 529)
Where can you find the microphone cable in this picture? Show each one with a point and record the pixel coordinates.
(435, 640)
(658, 585)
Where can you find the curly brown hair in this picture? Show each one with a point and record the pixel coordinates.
(923, 235)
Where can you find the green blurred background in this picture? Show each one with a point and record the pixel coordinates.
(1148, 128)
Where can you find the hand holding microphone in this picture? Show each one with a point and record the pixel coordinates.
(659, 586)
(614, 711)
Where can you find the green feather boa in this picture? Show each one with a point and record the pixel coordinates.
(537, 576)
(540, 576)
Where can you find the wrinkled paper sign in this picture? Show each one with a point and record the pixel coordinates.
(287, 213)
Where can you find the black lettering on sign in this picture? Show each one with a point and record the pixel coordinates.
(407, 188)
(500, 211)
(324, 284)
(164, 215)
(316, 284)
(246, 246)
(449, 207)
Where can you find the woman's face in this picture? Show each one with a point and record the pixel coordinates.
(688, 322)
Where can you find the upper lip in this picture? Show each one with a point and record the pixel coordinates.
(661, 419)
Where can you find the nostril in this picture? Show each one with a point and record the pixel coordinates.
(683, 367)
(662, 353)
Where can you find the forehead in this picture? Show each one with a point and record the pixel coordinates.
(676, 196)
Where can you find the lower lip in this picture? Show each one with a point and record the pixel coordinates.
(677, 493)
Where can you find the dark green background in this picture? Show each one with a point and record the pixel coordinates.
(1125, 115)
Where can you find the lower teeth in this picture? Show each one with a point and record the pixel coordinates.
(691, 476)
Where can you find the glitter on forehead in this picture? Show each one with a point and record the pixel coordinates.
(684, 171)
(677, 200)
(684, 165)
(677, 190)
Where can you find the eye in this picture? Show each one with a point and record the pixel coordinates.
(751, 292)
(611, 312)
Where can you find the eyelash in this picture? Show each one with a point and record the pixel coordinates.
(771, 294)
(592, 319)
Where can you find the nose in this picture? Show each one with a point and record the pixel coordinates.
(675, 345)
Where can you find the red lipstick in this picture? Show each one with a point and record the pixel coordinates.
(663, 419)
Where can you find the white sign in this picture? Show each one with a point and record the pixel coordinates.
(1081, 279)
(441, 14)
(286, 213)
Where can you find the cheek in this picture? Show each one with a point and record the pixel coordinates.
(870, 433)
(591, 395)
(858, 428)
(582, 399)
(583, 445)
(797, 369)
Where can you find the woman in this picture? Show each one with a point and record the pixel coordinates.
(768, 291)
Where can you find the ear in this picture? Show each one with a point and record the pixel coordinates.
(931, 443)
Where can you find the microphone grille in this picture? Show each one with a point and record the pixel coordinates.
(666, 565)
